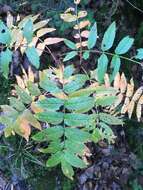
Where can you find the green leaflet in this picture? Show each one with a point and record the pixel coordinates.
(33, 89)
(10, 112)
(70, 55)
(79, 104)
(74, 146)
(102, 91)
(54, 160)
(7, 121)
(70, 44)
(53, 147)
(77, 82)
(83, 92)
(28, 30)
(8, 131)
(50, 117)
(105, 100)
(49, 85)
(110, 119)
(73, 160)
(124, 45)
(5, 36)
(106, 132)
(67, 169)
(96, 135)
(86, 55)
(68, 71)
(115, 64)
(40, 24)
(33, 56)
(50, 103)
(76, 119)
(17, 104)
(108, 38)
(102, 67)
(51, 133)
(92, 36)
(23, 21)
(5, 59)
(139, 54)
(24, 97)
(82, 137)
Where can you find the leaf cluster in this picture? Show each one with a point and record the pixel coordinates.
(126, 98)
(25, 36)
(85, 44)
(68, 106)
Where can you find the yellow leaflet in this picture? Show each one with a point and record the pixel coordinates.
(123, 83)
(117, 81)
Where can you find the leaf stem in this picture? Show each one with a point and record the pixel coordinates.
(110, 54)
(79, 32)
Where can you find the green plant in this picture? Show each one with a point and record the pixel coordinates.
(70, 111)
(127, 96)
(136, 186)
(83, 48)
(25, 36)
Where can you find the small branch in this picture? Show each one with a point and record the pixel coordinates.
(79, 32)
(50, 52)
(110, 54)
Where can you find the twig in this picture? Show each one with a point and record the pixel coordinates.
(135, 7)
